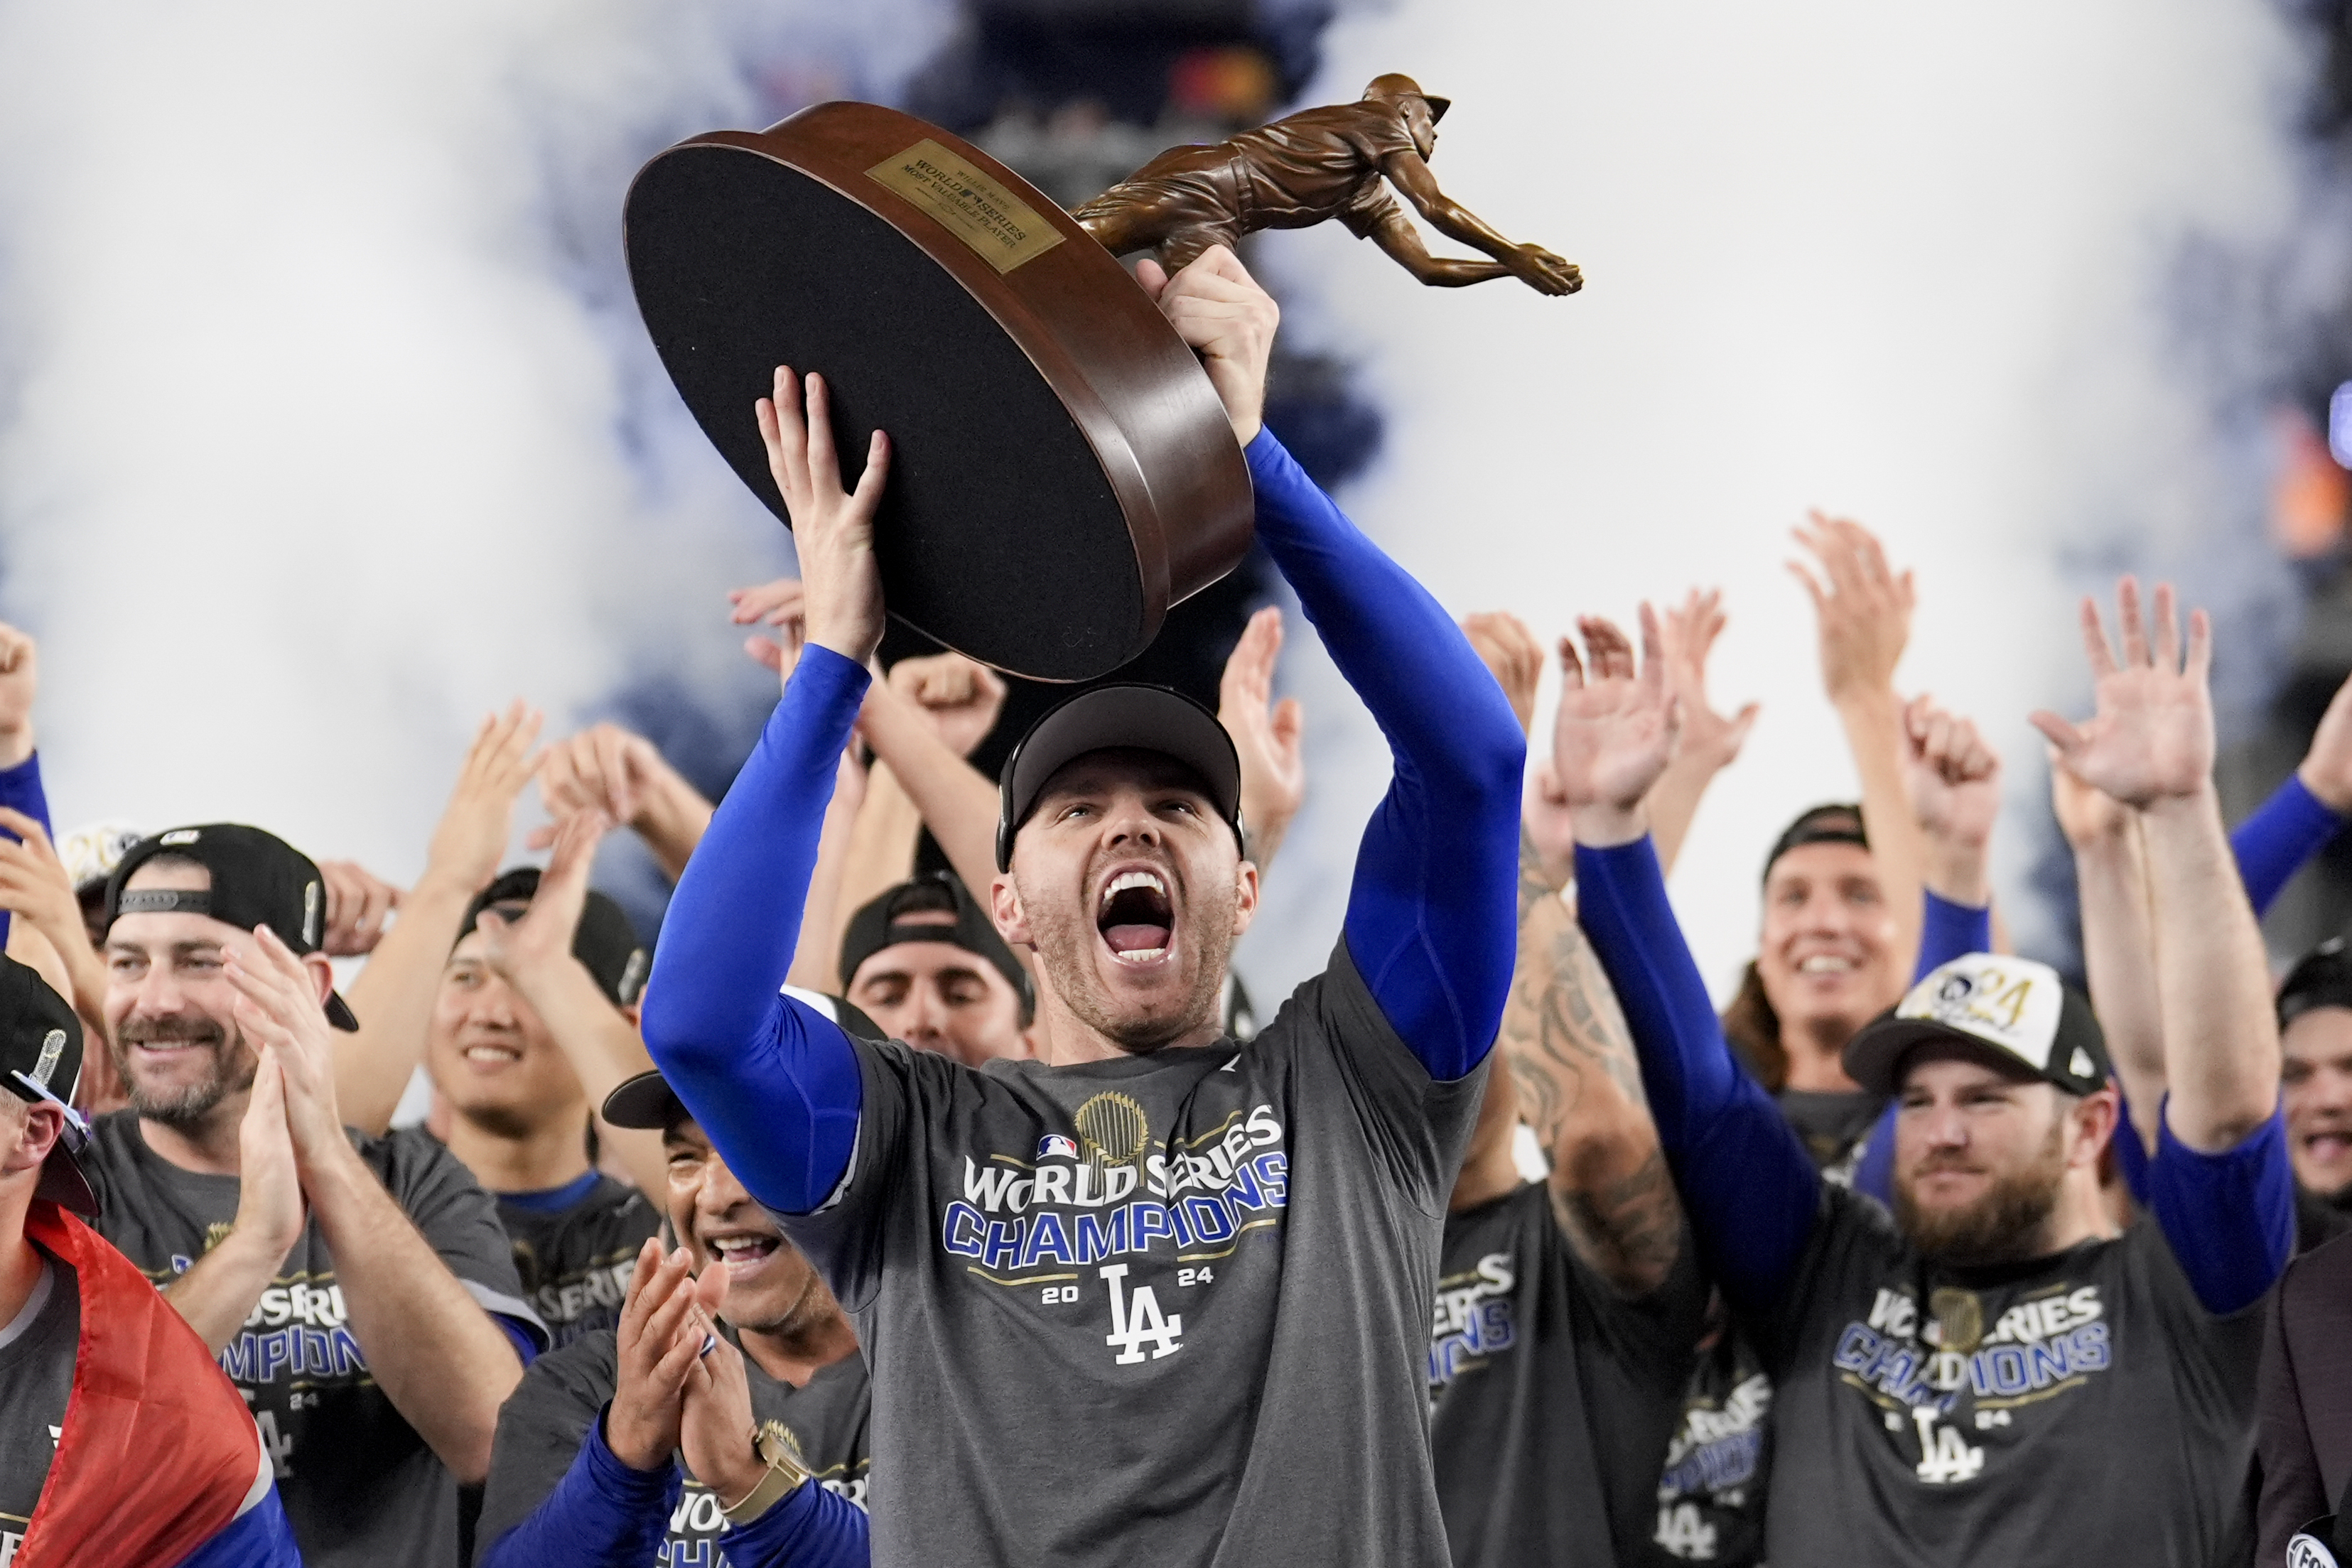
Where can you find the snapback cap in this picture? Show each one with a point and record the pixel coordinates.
(40, 1060)
(605, 941)
(258, 879)
(2320, 979)
(648, 1102)
(908, 913)
(2015, 1010)
(1127, 716)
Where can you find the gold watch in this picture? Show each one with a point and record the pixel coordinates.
(784, 1478)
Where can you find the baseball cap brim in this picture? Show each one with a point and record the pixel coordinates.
(1874, 1057)
(63, 1183)
(1118, 719)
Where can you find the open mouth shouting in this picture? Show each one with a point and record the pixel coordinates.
(1136, 916)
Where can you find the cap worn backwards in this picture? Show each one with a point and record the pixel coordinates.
(2320, 979)
(901, 914)
(606, 940)
(1834, 823)
(2014, 1010)
(257, 879)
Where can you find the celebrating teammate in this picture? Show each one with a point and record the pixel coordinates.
(1966, 1385)
(1152, 1297)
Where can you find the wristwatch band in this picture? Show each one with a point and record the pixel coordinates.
(784, 1478)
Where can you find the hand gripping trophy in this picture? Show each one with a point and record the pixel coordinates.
(1062, 471)
(1310, 168)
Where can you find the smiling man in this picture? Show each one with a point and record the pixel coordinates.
(586, 1470)
(357, 1290)
(2314, 1010)
(1998, 1375)
(1152, 1296)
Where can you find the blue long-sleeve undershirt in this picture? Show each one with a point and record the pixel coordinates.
(1429, 915)
(2281, 835)
(1751, 1190)
(20, 788)
(604, 1514)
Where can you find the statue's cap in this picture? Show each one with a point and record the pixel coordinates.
(1397, 85)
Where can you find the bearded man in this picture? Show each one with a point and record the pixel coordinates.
(1151, 1296)
(1998, 1375)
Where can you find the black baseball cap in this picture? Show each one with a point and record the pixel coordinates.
(258, 879)
(897, 915)
(1834, 823)
(40, 1060)
(648, 1102)
(606, 940)
(2012, 1010)
(1126, 717)
(2320, 979)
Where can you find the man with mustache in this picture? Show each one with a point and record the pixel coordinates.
(1153, 1295)
(732, 1332)
(358, 1291)
(1998, 1375)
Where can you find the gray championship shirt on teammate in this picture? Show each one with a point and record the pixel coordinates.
(1553, 1396)
(2077, 1409)
(37, 1368)
(574, 1261)
(360, 1487)
(1168, 1310)
(544, 1421)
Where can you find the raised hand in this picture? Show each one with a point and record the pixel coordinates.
(832, 528)
(35, 887)
(654, 1354)
(1688, 632)
(2086, 816)
(279, 1008)
(1953, 779)
(961, 696)
(544, 932)
(1616, 730)
(2150, 735)
(1512, 656)
(471, 837)
(1548, 855)
(602, 768)
(2326, 769)
(1218, 307)
(1267, 735)
(20, 681)
(1864, 609)
(357, 904)
(782, 604)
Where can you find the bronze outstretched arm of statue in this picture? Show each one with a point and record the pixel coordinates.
(1336, 162)
(1532, 264)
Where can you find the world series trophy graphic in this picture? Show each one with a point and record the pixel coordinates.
(1062, 472)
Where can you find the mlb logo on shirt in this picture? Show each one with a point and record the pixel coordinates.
(1055, 1143)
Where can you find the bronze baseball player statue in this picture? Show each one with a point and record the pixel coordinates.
(1316, 165)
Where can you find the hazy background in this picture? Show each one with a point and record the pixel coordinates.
(326, 422)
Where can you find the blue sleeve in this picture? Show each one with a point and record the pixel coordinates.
(811, 1528)
(2284, 832)
(1432, 916)
(1874, 1174)
(2230, 1217)
(526, 1343)
(1951, 931)
(1751, 1190)
(774, 1083)
(20, 787)
(601, 1514)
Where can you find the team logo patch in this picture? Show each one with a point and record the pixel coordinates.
(2011, 1003)
(1960, 1320)
(2305, 1551)
(1054, 1146)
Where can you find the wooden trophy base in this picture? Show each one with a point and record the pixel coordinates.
(1062, 470)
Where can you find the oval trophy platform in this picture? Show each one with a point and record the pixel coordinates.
(1062, 469)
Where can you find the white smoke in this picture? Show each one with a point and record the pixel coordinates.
(326, 424)
(1911, 264)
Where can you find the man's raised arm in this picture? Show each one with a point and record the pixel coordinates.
(1430, 917)
(1747, 1184)
(775, 1083)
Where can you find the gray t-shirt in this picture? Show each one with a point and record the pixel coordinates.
(360, 1487)
(544, 1421)
(1170, 1309)
(37, 1368)
(2079, 1408)
(575, 1261)
(1552, 1395)
(1711, 1494)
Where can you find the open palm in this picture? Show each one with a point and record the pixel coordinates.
(2150, 734)
(1616, 730)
